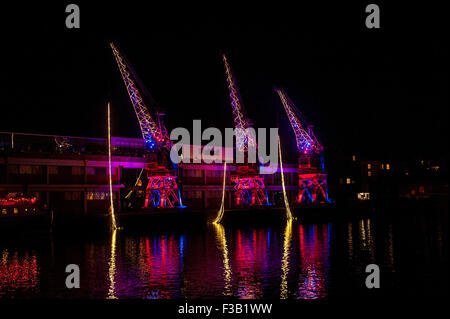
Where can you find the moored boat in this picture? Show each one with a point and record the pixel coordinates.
(21, 213)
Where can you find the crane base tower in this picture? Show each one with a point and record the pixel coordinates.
(249, 187)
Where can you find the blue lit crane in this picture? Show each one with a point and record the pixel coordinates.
(249, 185)
(312, 175)
(162, 190)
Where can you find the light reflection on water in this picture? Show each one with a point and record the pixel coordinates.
(112, 266)
(296, 261)
(285, 260)
(314, 250)
(222, 244)
(18, 272)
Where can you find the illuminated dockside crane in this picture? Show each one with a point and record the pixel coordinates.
(162, 190)
(248, 184)
(312, 176)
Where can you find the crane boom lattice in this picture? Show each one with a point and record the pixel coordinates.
(248, 184)
(312, 176)
(162, 190)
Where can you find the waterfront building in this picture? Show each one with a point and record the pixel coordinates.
(70, 174)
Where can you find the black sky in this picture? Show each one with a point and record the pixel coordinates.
(384, 91)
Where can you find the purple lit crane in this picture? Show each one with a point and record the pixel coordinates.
(249, 186)
(312, 176)
(162, 190)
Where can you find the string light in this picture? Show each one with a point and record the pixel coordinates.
(222, 205)
(113, 217)
(286, 201)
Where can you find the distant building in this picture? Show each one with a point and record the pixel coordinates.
(358, 178)
(364, 179)
(423, 178)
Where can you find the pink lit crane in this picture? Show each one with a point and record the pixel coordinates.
(312, 176)
(249, 185)
(162, 189)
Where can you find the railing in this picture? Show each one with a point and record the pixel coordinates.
(11, 142)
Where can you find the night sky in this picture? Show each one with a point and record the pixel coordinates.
(381, 91)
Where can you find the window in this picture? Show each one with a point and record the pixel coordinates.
(363, 196)
(192, 173)
(30, 169)
(349, 180)
(72, 195)
(65, 170)
(213, 194)
(100, 170)
(214, 173)
(369, 173)
(194, 194)
(4, 212)
(387, 166)
(97, 195)
(354, 158)
(77, 170)
(382, 166)
(369, 166)
(53, 170)
(25, 169)
(13, 169)
(36, 169)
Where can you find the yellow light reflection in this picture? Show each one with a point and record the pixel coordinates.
(112, 267)
(370, 240)
(5, 256)
(285, 260)
(367, 242)
(113, 217)
(350, 240)
(362, 232)
(222, 241)
(222, 205)
(390, 250)
(286, 201)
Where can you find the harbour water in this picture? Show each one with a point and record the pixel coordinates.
(296, 260)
